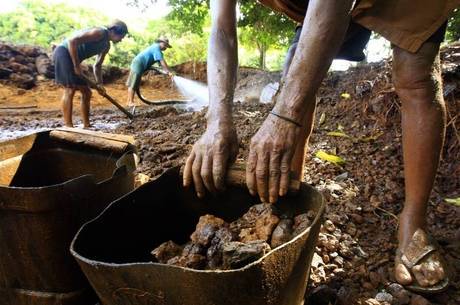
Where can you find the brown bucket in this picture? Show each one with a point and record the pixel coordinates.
(50, 184)
(114, 249)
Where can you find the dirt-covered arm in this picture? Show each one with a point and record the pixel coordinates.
(324, 29)
(97, 67)
(207, 164)
(273, 146)
(165, 66)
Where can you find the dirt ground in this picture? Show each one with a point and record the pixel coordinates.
(353, 263)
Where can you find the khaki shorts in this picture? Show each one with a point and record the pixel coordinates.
(405, 23)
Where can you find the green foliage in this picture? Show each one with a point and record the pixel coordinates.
(263, 34)
(193, 14)
(36, 22)
(263, 29)
(453, 29)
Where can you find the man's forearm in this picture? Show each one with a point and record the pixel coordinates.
(73, 53)
(324, 28)
(222, 66)
(97, 70)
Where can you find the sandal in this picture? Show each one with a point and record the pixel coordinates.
(421, 249)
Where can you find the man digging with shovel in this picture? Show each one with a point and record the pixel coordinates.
(67, 60)
(415, 28)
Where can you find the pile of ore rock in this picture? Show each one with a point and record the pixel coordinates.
(20, 65)
(216, 244)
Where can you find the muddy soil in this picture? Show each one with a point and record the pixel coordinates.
(354, 257)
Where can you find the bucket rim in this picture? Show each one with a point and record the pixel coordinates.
(92, 262)
(72, 180)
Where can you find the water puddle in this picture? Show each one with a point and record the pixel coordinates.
(11, 133)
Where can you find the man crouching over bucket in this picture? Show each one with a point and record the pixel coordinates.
(415, 28)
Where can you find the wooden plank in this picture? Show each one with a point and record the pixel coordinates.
(90, 141)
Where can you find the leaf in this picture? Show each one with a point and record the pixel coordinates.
(452, 201)
(371, 138)
(338, 134)
(322, 118)
(329, 158)
(345, 95)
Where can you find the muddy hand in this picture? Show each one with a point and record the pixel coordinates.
(211, 155)
(100, 88)
(77, 70)
(269, 161)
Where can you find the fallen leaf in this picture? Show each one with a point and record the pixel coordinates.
(453, 201)
(371, 138)
(338, 134)
(329, 157)
(322, 118)
(345, 95)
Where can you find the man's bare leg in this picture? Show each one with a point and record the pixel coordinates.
(67, 103)
(85, 105)
(130, 100)
(417, 79)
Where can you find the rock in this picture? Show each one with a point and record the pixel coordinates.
(351, 229)
(384, 297)
(214, 254)
(45, 66)
(400, 295)
(357, 218)
(166, 251)
(419, 300)
(24, 81)
(256, 224)
(317, 260)
(368, 286)
(344, 296)
(339, 261)
(193, 256)
(205, 229)
(301, 223)
(282, 233)
(374, 277)
(329, 226)
(371, 302)
(237, 254)
(5, 72)
(322, 295)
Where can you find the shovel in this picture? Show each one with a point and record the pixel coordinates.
(108, 97)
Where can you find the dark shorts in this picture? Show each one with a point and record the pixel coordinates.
(357, 37)
(63, 68)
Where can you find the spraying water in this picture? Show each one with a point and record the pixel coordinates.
(194, 90)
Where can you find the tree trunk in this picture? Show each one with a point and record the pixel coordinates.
(262, 55)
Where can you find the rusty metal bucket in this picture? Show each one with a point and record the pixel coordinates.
(50, 184)
(114, 249)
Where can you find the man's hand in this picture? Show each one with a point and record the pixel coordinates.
(77, 70)
(207, 163)
(269, 161)
(101, 89)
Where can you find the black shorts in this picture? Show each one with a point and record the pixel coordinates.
(357, 37)
(63, 68)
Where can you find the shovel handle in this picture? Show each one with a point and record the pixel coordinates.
(108, 97)
(236, 176)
